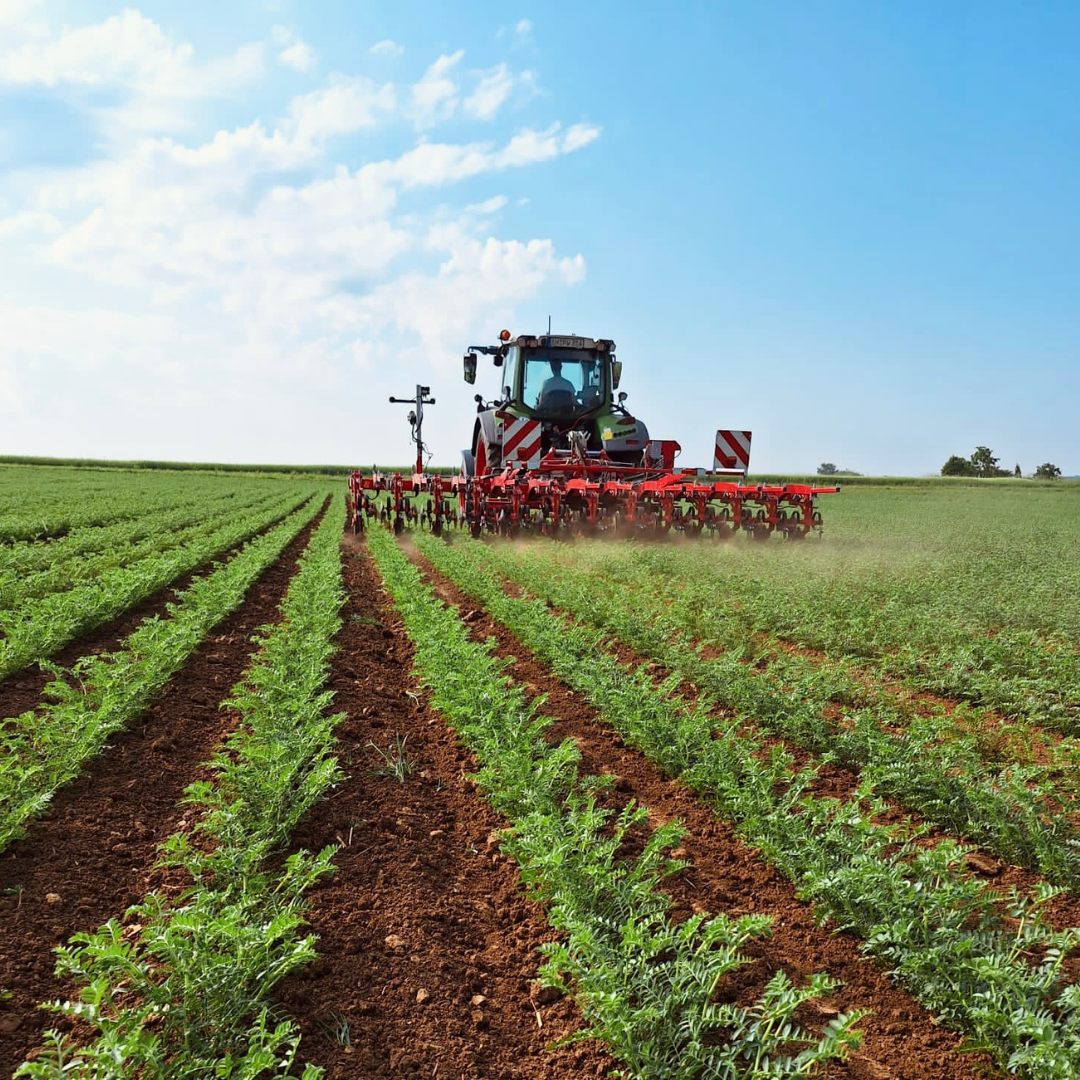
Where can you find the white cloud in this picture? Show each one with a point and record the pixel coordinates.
(488, 206)
(29, 222)
(494, 88)
(233, 274)
(345, 105)
(295, 52)
(299, 56)
(386, 47)
(14, 10)
(435, 96)
(579, 135)
(131, 54)
(521, 32)
(128, 50)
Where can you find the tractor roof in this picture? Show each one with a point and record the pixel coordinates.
(564, 341)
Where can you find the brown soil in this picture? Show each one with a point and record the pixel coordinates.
(901, 1040)
(23, 690)
(90, 856)
(428, 944)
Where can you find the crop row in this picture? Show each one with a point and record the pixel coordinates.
(36, 503)
(184, 990)
(1020, 812)
(909, 632)
(41, 627)
(644, 984)
(985, 962)
(42, 750)
(187, 508)
(66, 573)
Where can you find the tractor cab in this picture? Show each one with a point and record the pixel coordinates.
(552, 386)
(558, 382)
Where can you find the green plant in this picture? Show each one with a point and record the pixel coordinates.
(394, 761)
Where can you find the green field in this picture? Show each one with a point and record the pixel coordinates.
(886, 717)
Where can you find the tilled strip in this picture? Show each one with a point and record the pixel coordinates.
(901, 1040)
(428, 944)
(89, 857)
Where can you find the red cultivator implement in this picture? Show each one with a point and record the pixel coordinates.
(596, 495)
(559, 456)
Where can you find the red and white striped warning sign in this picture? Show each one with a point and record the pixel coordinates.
(521, 442)
(732, 450)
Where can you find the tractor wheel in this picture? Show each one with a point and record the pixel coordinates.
(488, 459)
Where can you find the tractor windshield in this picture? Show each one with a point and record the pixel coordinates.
(562, 383)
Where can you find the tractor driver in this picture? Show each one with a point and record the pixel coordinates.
(555, 384)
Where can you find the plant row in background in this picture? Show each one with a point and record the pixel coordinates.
(983, 961)
(645, 986)
(174, 531)
(907, 626)
(42, 750)
(41, 627)
(187, 508)
(188, 994)
(50, 503)
(1020, 813)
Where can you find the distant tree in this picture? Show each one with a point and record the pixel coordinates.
(1046, 471)
(958, 466)
(1016, 471)
(984, 462)
(826, 468)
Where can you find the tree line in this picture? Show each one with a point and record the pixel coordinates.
(983, 463)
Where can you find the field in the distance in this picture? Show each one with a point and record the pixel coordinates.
(861, 754)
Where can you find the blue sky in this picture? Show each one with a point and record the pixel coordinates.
(229, 232)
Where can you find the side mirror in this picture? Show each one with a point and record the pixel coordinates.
(470, 368)
(622, 396)
(616, 373)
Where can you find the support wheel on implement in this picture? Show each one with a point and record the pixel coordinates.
(399, 525)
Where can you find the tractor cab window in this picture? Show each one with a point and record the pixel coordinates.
(562, 382)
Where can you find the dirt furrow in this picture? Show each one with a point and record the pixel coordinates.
(89, 857)
(428, 946)
(901, 1040)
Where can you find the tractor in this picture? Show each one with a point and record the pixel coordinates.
(559, 454)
